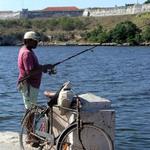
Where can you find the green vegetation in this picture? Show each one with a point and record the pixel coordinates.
(131, 29)
(146, 34)
(147, 2)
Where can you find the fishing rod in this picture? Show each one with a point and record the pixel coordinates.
(54, 65)
(60, 62)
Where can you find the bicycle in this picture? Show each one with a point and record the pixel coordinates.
(78, 135)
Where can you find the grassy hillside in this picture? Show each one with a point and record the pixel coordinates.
(141, 20)
(111, 21)
(65, 29)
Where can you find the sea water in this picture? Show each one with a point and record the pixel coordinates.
(120, 74)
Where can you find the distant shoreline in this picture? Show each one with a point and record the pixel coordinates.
(91, 44)
(82, 44)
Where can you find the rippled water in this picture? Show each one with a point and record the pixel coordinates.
(121, 74)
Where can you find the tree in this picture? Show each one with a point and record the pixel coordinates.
(52, 24)
(26, 23)
(79, 25)
(146, 34)
(97, 35)
(147, 2)
(125, 32)
(67, 24)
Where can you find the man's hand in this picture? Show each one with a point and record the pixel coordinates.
(47, 67)
(52, 71)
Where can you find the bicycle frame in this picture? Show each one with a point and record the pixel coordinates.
(50, 111)
(50, 114)
(47, 135)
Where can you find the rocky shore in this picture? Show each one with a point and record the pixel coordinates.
(76, 44)
(89, 44)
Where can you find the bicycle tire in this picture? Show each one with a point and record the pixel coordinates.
(92, 137)
(41, 123)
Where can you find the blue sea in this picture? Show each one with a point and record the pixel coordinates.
(120, 74)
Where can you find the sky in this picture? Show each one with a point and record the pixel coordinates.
(17, 5)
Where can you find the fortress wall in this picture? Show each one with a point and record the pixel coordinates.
(97, 12)
(9, 15)
(124, 10)
(46, 14)
(146, 8)
(38, 14)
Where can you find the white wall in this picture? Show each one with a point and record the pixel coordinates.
(112, 11)
(9, 15)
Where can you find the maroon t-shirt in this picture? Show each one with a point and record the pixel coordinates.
(28, 61)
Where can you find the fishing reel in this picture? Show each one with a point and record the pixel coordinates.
(52, 71)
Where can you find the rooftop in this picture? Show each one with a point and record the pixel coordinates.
(71, 8)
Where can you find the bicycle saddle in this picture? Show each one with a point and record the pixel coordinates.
(49, 94)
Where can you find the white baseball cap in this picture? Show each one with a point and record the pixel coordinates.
(31, 35)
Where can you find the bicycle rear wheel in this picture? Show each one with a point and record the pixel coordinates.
(92, 137)
(34, 121)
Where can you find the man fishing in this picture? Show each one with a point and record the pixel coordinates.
(27, 64)
(29, 67)
(30, 73)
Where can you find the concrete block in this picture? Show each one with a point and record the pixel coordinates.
(94, 109)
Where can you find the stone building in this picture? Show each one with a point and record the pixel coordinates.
(52, 12)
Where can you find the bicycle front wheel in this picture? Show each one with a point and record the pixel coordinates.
(34, 122)
(92, 138)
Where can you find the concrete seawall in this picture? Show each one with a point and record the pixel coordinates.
(9, 140)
